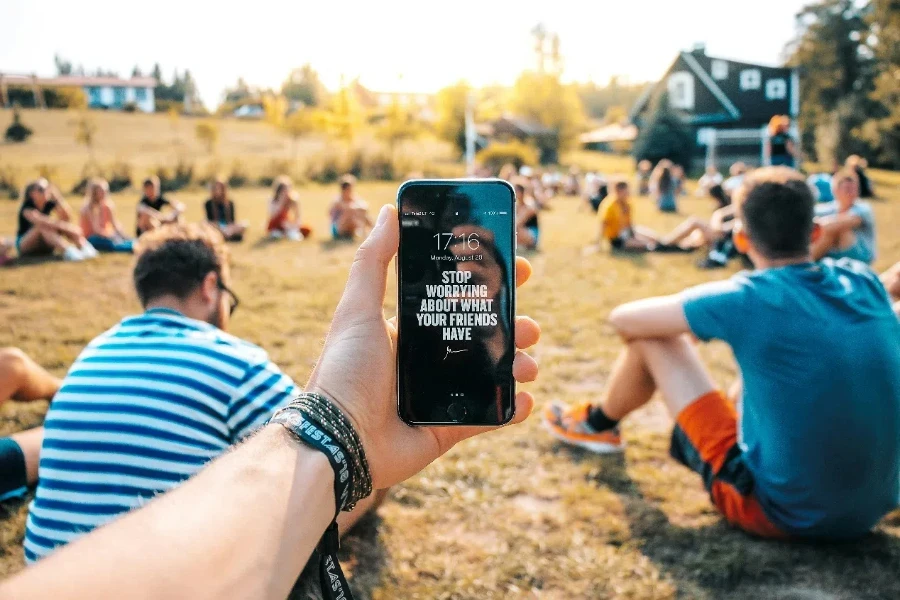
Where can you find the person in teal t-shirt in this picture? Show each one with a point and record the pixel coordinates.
(847, 225)
(811, 446)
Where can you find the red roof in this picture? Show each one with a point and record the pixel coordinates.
(84, 81)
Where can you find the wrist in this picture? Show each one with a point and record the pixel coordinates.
(319, 423)
(296, 464)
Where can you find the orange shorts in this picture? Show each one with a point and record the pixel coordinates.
(705, 440)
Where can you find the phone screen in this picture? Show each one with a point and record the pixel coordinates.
(456, 283)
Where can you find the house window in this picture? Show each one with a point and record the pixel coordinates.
(719, 70)
(94, 96)
(119, 96)
(140, 94)
(681, 90)
(776, 89)
(750, 79)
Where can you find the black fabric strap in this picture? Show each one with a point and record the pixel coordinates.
(331, 577)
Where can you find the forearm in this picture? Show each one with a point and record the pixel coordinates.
(150, 212)
(651, 318)
(243, 528)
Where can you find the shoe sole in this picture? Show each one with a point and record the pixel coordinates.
(595, 447)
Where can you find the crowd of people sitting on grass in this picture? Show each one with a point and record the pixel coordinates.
(805, 445)
(48, 226)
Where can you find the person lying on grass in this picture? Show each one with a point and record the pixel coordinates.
(154, 210)
(245, 525)
(98, 219)
(848, 223)
(45, 225)
(348, 214)
(813, 448)
(148, 403)
(617, 227)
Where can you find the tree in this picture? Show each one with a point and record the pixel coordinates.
(398, 124)
(208, 133)
(136, 72)
(241, 92)
(665, 135)
(17, 131)
(837, 74)
(86, 132)
(345, 114)
(450, 122)
(63, 67)
(598, 99)
(544, 99)
(884, 132)
(302, 122)
(616, 115)
(303, 85)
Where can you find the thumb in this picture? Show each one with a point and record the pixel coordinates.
(364, 294)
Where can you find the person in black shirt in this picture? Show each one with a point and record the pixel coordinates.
(781, 145)
(220, 213)
(45, 225)
(154, 210)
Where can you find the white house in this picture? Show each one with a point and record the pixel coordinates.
(101, 92)
(110, 92)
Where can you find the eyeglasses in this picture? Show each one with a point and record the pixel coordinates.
(232, 306)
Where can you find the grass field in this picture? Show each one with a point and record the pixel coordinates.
(510, 515)
(145, 143)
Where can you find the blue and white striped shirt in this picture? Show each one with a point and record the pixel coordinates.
(145, 406)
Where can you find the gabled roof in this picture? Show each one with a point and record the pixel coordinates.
(710, 84)
(735, 104)
(89, 81)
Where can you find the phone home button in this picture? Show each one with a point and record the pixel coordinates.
(456, 412)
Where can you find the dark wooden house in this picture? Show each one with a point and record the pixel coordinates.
(727, 103)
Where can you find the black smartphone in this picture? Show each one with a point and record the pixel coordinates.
(456, 276)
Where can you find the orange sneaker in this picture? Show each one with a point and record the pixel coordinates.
(569, 424)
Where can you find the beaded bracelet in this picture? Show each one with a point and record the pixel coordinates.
(316, 422)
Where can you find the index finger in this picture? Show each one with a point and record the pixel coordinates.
(523, 271)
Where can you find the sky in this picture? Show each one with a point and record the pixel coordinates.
(392, 45)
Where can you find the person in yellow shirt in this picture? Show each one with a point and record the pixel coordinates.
(616, 226)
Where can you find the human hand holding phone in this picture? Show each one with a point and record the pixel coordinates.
(357, 369)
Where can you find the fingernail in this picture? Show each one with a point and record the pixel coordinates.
(383, 215)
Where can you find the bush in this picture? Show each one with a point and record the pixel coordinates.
(117, 174)
(212, 170)
(278, 167)
(666, 134)
(207, 132)
(179, 177)
(66, 97)
(164, 106)
(130, 106)
(370, 161)
(17, 132)
(498, 154)
(238, 176)
(120, 176)
(10, 181)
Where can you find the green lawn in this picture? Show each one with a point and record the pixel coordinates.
(510, 515)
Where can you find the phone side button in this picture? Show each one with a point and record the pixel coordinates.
(457, 412)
